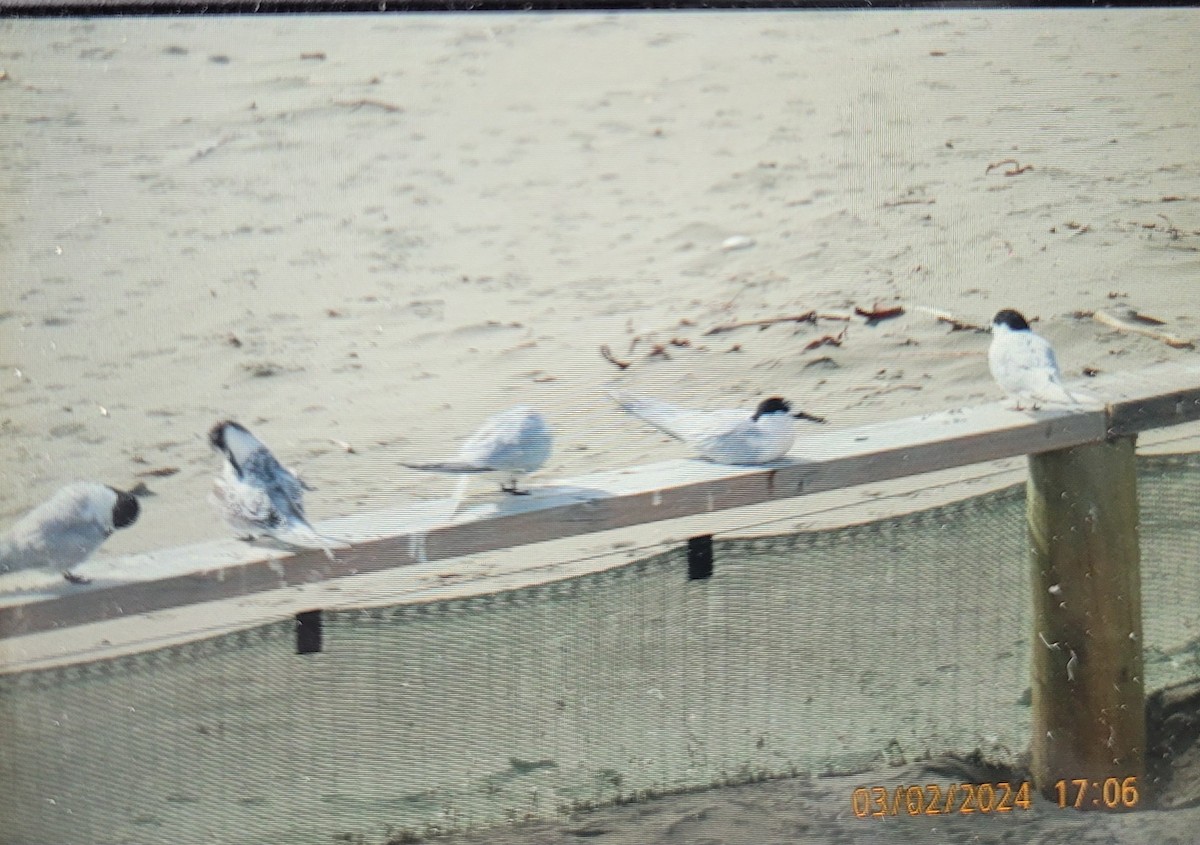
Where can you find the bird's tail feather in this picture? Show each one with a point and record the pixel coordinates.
(1060, 395)
(446, 466)
(1083, 396)
(307, 537)
(657, 414)
(460, 492)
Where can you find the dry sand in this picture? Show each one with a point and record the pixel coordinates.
(379, 231)
(382, 230)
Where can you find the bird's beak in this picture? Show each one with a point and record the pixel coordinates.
(801, 415)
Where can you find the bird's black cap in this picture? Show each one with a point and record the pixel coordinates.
(125, 511)
(1012, 319)
(216, 434)
(772, 405)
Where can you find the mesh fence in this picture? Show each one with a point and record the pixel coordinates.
(815, 652)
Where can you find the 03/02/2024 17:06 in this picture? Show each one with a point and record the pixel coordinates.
(986, 798)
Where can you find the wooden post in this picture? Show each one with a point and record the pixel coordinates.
(1089, 728)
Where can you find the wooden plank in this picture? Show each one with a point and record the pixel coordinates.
(559, 509)
(502, 570)
(1163, 396)
(1088, 722)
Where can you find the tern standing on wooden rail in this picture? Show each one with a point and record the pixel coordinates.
(65, 530)
(724, 437)
(257, 495)
(513, 443)
(1023, 363)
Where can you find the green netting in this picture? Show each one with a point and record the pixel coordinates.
(810, 652)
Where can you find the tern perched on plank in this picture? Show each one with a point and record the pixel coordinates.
(256, 495)
(736, 437)
(513, 443)
(1023, 363)
(66, 530)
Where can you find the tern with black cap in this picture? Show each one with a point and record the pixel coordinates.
(735, 437)
(1023, 363)
(66, 529)
(258, 496)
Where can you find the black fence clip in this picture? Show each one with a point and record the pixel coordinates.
(700, 557)
(308, 632)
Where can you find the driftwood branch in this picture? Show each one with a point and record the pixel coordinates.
(875, 314)
(949, 319)
(607, 354)
(1143, 326)
(804, 415)
(957, 325)
(806, 317)
(909, 201)
(379, 104)
(826, 340)
(1015, 167)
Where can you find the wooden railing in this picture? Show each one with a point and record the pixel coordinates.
(822, 462)
(1088, 690)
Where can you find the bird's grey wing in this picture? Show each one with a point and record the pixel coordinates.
(727, 436)
(535, 442)
(282, 487)
(59, 542)
(491, 441)
(291, 487)
(11, 557)
(1043, 353)
(515, 441)
(75, 543)
(1038, 364)
(1046, 380)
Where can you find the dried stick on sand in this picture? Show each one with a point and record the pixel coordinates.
(366, 101)
(955, 324)
(1015, 167)
(875, 314)
(1142, 326)
(806, 317)
(607, 354)
(827, 340)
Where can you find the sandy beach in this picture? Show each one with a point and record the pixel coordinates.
(379, 231)
(361, 236)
